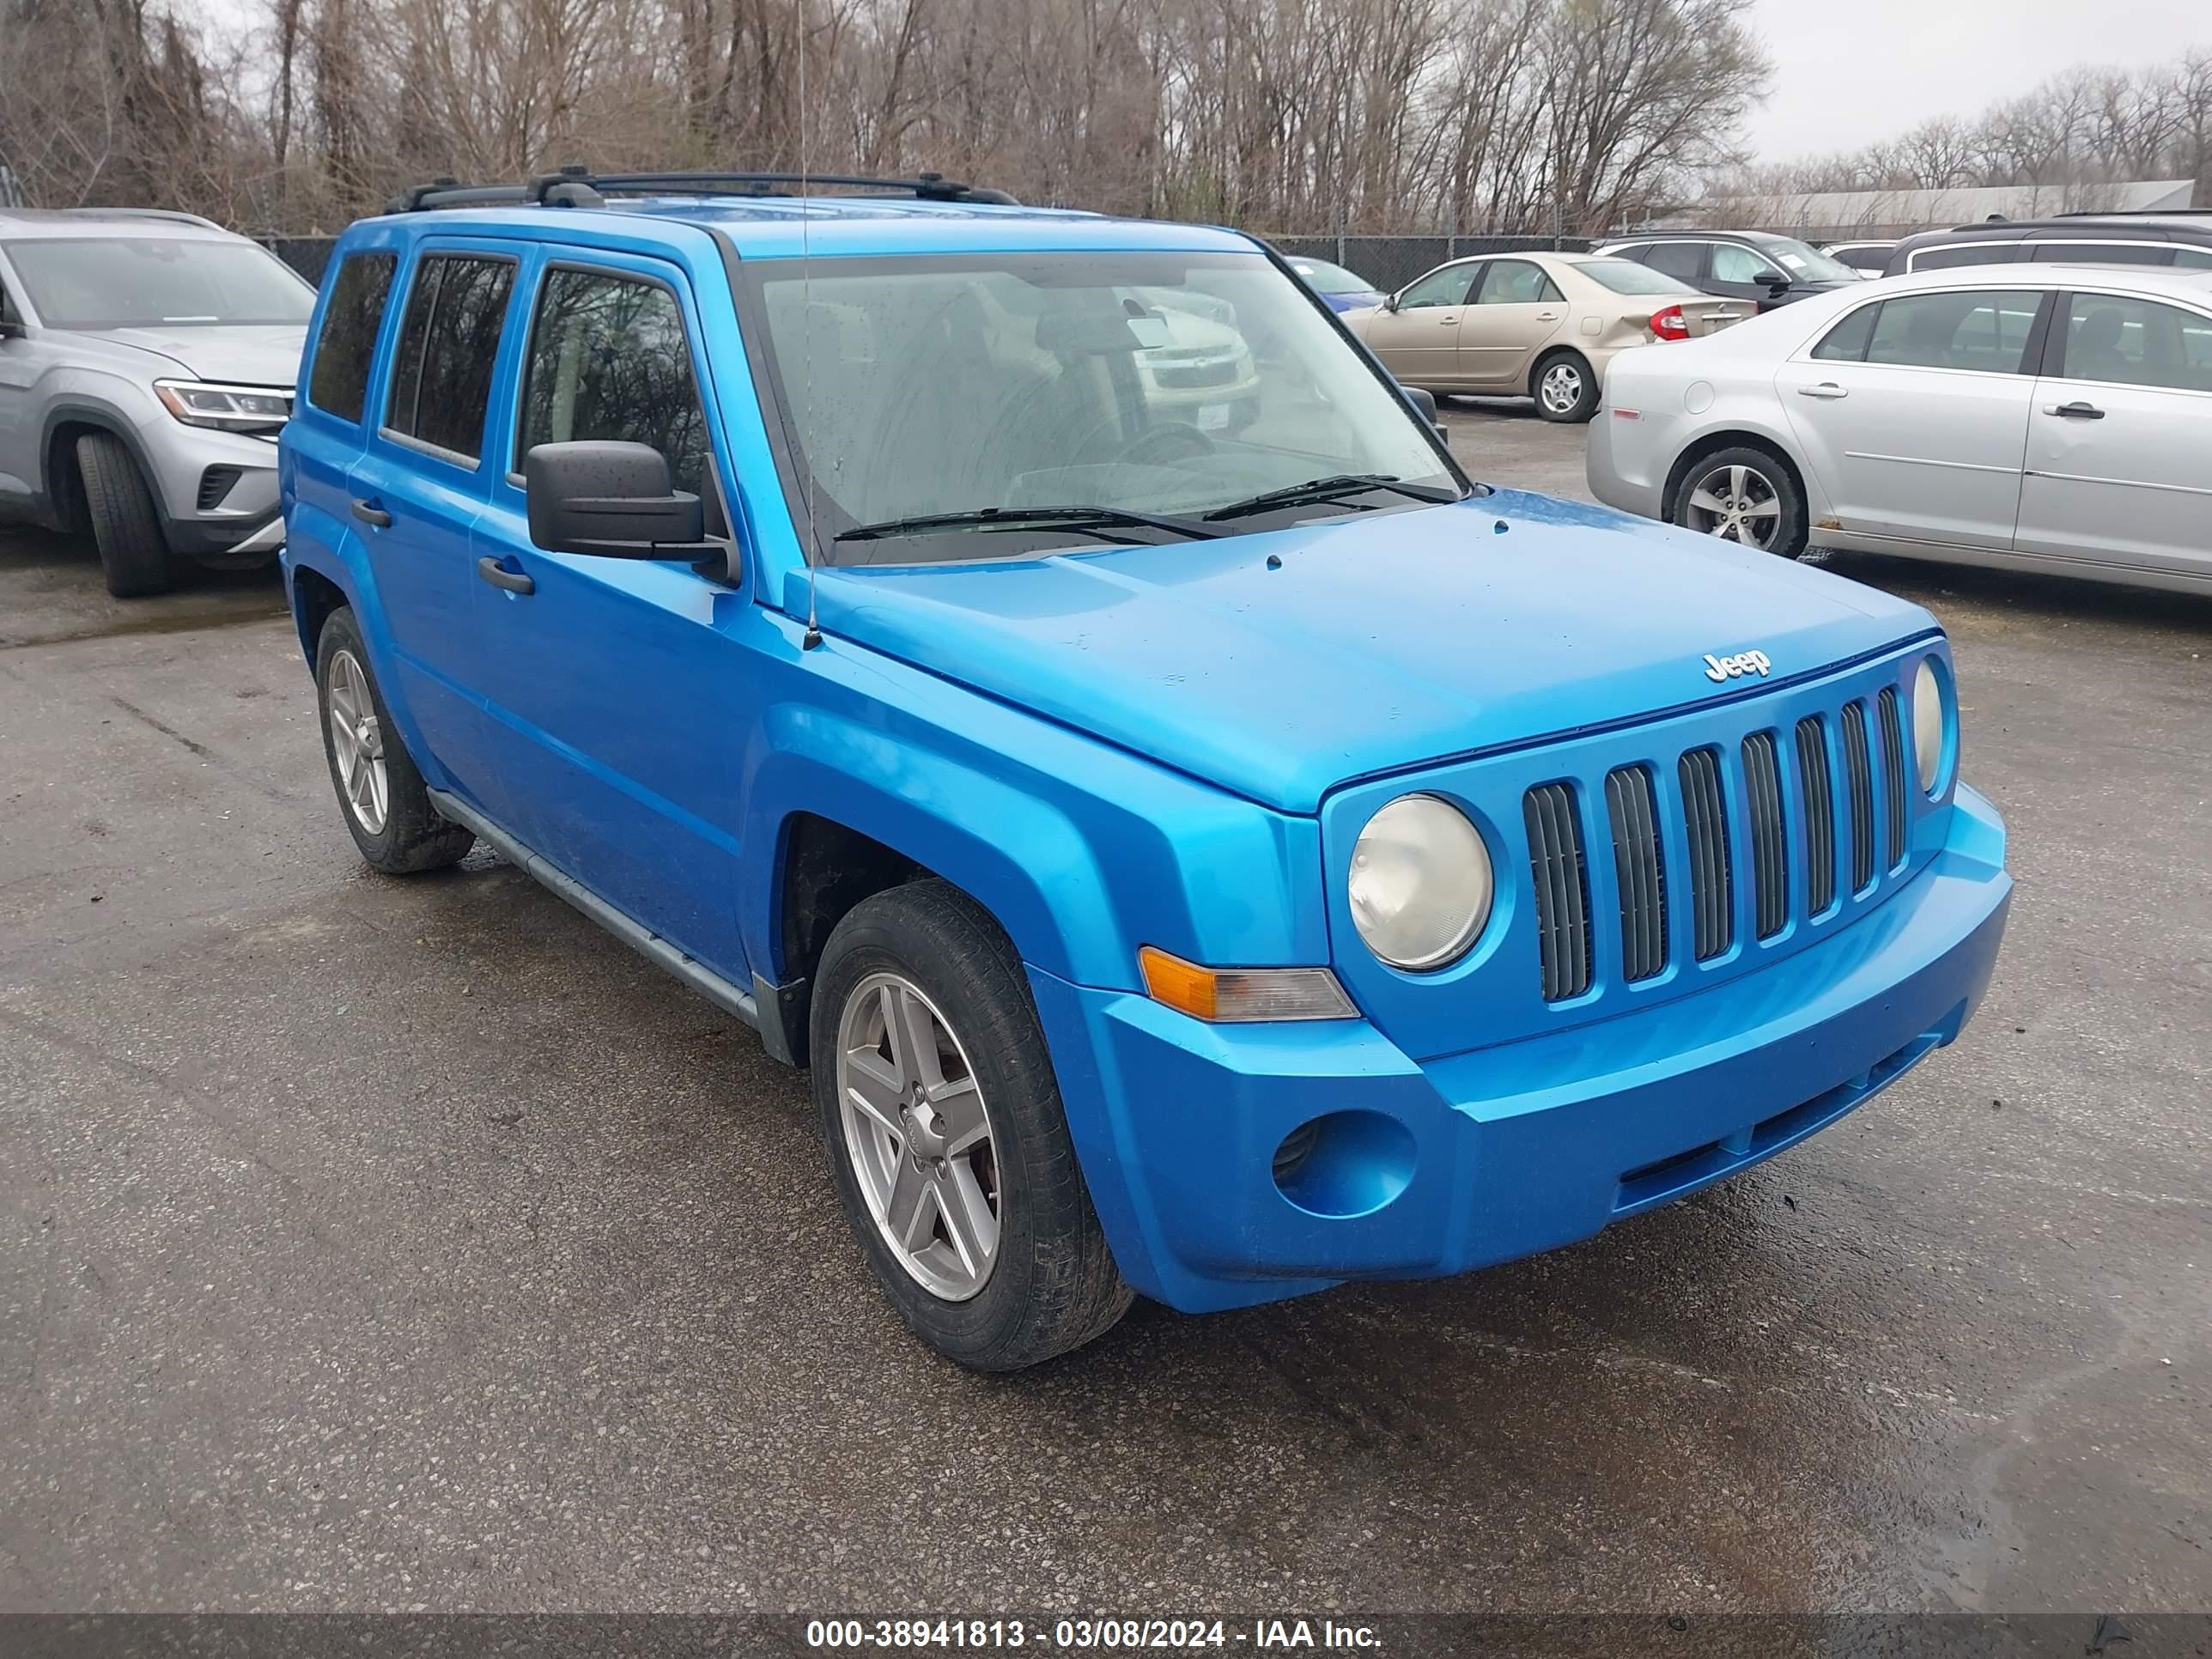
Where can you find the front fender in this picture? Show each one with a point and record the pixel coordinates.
(1082, 851)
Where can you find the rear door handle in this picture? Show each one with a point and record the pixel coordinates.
(1826, 389)
(500, 576)
(370, 513)
(1547, 316)
(2076, 411)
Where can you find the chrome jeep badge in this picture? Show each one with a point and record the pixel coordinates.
(1720, 668)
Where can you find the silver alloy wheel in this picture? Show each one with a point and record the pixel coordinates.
(1737, 504)
(1561, 387)
(919, 1136)
(357, 741)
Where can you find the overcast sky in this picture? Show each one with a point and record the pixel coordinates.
(1847, 72)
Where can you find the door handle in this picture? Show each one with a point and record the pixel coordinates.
(500, 576)
(1547, 316)
(1826, 389)
(1451, 321)
(2076, 411)
(370, 513)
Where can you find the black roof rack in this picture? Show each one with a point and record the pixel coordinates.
(2136, 213)
(576, 186)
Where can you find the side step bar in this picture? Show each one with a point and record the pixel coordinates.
(722, 992)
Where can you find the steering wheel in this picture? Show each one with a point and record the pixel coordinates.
(1164, 445)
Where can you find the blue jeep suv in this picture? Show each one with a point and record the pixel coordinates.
(1039, 670)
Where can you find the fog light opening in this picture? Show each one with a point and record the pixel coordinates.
(1344, 1163)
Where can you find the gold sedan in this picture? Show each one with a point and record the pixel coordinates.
(1541, 325)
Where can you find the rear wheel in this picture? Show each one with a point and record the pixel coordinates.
(947, 1136)
(134, 553)
(386, 803)
(1745, 496)
(1566, 387)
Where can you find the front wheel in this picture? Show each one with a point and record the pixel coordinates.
(1744, 496)
(1566, 388)
(947, 1136)
(118, 508)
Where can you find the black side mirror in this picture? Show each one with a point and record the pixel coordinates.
(1776, 282)
(611, 500)
(1424, 405)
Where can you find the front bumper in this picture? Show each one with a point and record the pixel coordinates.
(1501, 1151)
(242, 517)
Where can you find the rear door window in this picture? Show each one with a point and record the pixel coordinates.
(1970, 329)
(2101, 253)
(1683, 261)
(1515, 282)
(1954, 254)
(338, 384)
(448, 345)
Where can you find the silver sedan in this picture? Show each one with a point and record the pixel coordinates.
(2040, 417)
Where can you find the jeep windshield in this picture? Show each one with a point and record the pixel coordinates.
(119, 281)
(933, 407)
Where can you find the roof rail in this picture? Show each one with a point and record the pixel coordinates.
(2136, 213)
(170, 214)
(576, 186)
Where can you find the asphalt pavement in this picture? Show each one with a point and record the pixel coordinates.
(376, 1245)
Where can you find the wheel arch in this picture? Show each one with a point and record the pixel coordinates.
(1557, 349)
(314, 597)
(842, 836)
(1730, 437)
(61, 482)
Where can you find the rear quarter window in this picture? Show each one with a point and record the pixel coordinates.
(338, 383)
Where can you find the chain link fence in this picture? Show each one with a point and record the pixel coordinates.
(1389, 262)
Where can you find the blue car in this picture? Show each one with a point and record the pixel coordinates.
(1039, 670)
(1339, 289)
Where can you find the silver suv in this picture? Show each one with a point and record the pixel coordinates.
(147, 361)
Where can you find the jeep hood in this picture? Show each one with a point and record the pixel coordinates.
(240, 354)
(1383, 641)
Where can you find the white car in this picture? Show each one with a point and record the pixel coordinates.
(2045, 417)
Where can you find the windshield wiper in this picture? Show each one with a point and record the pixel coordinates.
(1328, 489)
(1092, 518)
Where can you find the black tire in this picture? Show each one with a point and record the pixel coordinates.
(1767, 477)
(134, 551)
(413, 837)
(1575, 368)
(1053, 1285)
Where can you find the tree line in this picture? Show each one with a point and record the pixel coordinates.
(1289, 116)
(2084, 128)
(1280, 115)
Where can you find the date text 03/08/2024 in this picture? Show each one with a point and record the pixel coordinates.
(1282, 1634)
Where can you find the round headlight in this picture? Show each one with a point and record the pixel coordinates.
(1420, 883)
(1927, 725)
